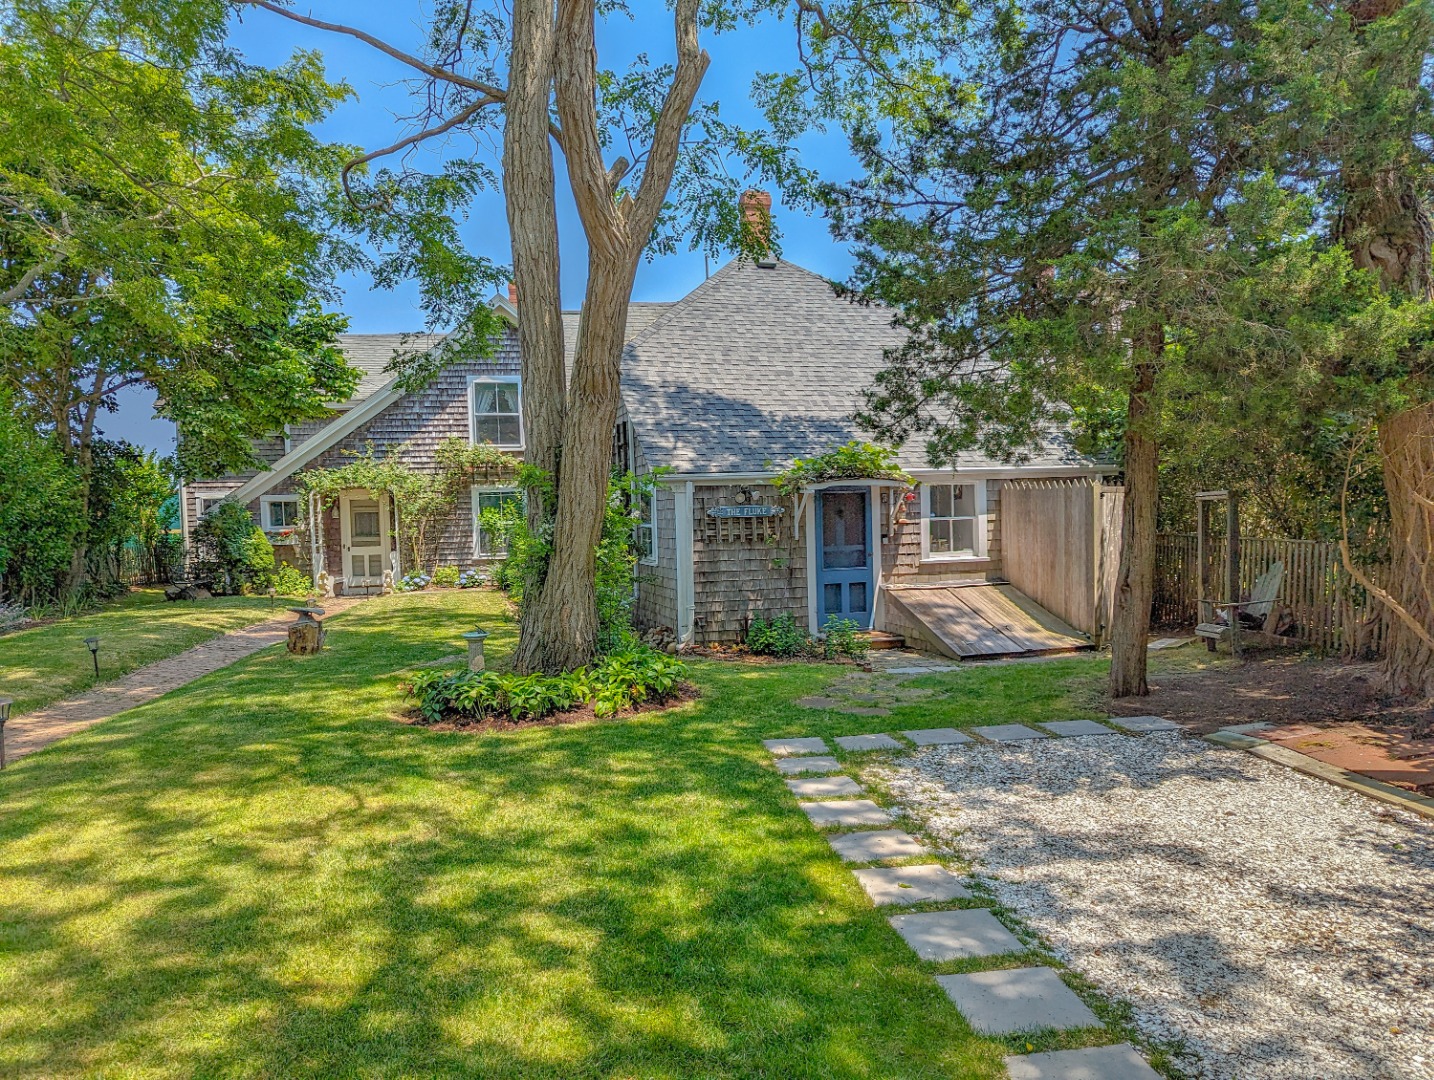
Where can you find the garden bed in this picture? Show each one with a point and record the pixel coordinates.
(583, 713)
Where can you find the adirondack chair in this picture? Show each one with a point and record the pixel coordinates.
(1262, 606)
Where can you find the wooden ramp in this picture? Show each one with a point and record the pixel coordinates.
(972, 622)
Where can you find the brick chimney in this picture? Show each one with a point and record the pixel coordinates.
(756, 207)
(513, 293)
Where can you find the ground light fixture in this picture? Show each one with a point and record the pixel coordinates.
(5, 704)
(94, 647)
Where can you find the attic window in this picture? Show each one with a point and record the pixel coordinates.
(495, 406)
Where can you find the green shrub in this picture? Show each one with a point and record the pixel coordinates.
(618, 682)
(289, 581)
(780, 637)
(231, 553)
(446, 577)
(842, 639)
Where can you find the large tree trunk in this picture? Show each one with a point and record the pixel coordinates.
(560, 622)
(1387, 228)
(1406, 444)
(1135, 585)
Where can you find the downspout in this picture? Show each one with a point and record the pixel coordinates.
(686, 600)
(316, 525)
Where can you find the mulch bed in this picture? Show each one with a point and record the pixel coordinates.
(685, 692)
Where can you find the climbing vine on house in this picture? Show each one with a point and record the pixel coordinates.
(425, 500)
(855, 461)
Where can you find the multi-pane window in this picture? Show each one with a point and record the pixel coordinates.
(497, 410)
(645, 535)
(207, 504)
(953, 521)
(486, 502)
(280, 514)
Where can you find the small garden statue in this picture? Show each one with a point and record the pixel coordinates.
(387, 582)
(325, 583)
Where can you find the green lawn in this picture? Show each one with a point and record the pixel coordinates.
(50, 662)
(263, 875)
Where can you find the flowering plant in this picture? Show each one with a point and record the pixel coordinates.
(471, 579)
(413, 582)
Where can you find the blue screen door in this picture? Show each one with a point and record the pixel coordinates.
(844, 579)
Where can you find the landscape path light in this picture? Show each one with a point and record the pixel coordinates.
(5, 704)
(94, 645)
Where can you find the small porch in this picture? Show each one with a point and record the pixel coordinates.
(355, 551)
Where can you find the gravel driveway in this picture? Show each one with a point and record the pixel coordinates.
(1281, 927)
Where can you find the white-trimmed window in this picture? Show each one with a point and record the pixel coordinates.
(645, 535)
(953, 522)
(208, 503)
(485, 499)
(495, 410)
(279, 513)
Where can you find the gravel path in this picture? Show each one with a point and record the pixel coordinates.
(1279, 926)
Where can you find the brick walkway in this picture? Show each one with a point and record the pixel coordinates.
(32, 731)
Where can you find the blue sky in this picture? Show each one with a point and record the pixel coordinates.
(369, 120)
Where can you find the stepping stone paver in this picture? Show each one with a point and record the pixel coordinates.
(1144, 723)
(867, 742)
(1010, 733)
(817, 702)
(793, 765)
(875, 846)
(955, 935)
(938, 736)
(1067, 729)
(1119, 1062)
(823, 787)
(910, 884)
(845, 812)
(790, 747)
(1016, 999)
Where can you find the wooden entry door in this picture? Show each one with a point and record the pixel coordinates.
(364, 529)
(844, 555)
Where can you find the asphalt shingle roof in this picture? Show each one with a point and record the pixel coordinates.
(371, 353)
(760, 365)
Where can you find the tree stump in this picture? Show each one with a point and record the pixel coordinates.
(306, 636)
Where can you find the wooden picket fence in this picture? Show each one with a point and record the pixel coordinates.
(1333, 614)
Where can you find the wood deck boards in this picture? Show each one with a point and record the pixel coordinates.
(988, 620)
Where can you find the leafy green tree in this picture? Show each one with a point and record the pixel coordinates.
(1111, 218)
(167, 223)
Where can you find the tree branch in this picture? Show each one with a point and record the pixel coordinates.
(417, 63)
(461, 117)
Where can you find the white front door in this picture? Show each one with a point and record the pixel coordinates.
(365, 538)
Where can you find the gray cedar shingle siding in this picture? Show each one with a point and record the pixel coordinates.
(758, 366)
(738, 574)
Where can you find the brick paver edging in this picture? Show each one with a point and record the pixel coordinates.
(33, 731)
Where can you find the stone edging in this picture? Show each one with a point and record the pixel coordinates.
(1280, 755)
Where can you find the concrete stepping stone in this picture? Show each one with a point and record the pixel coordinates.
(1010, 733)
(817, 702)
(1068, 729)
(845, 812)
(955, 935)
(792, 747)
(1119, 1062)
(867, 742)
(938, 736)
(1017, 999)
(1144, 723)
(823, 787)
(793, 765)
(875, 846)
(910, 884)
